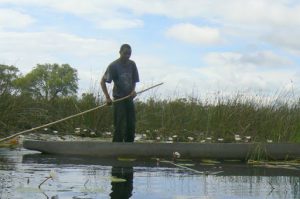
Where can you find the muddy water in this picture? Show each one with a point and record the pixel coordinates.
(23, 171)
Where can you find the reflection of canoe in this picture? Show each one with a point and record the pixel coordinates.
(186, 150)
(228, 168)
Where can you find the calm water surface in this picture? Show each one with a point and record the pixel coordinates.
(22, 171)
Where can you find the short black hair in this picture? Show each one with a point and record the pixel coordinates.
(125, 46)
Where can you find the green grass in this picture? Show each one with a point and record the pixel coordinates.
(277, 120)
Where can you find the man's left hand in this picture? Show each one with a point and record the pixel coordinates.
(133, 94)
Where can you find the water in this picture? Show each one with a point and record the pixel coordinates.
(22, 171)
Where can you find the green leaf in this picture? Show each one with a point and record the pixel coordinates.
(116, 180)
(127, 159)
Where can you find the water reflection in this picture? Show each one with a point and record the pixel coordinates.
(82, 177)
(120, 189)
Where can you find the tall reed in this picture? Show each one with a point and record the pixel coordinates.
(223, 117)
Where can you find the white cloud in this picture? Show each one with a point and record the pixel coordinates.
(256, 17)
(194, 34)
(280, 12)
(155, 69)
(14, 19)
(259, 59)
(116, 23)
(89, 56)
(235, 71)
(286, 39)
(52, 44)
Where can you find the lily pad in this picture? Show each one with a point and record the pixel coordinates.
(207, 161)
(186, 165)
(116, 180)
(127, 159)
(93, 190)
(208, 164)
(184, 160)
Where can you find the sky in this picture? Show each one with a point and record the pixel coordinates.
(196, 47)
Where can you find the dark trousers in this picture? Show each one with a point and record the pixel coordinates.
(124, 121)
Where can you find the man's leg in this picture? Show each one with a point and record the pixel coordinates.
(130, 119)
(119, 121)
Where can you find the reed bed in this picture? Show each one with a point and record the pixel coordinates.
(223, 119)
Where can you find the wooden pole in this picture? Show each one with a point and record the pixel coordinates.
(72, 116)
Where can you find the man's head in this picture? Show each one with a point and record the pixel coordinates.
(125, 52)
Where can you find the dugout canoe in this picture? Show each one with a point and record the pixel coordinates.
(274, 151)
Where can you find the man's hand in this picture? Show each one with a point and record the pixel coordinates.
(133, 94)
(108, 101)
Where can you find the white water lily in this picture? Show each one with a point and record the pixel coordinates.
(248, 138)
(237, 137)
(190, 138)
(92, 133)
(53, 175)
(108, 133)
(176, 155)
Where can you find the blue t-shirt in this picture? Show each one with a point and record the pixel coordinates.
(124, 76)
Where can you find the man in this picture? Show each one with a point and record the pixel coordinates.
(124, 74)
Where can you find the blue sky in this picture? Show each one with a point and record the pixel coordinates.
(197, 47)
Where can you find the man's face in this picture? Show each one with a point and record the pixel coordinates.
(125, 54)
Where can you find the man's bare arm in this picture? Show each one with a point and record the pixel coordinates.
(133, 93)
(104, 89)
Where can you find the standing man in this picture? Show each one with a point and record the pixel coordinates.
(123, 72)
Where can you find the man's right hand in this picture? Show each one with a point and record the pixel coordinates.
(108, 101)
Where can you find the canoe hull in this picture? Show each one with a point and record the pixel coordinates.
(186, 150)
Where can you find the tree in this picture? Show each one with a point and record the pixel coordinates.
(8, 76)
(49, 81)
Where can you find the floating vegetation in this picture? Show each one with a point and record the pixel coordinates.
(116, 179)
(228, 160)
(186, 164)
(293, 164)
(184, 160)
(93, 190)
(126, 159)
(208, 161)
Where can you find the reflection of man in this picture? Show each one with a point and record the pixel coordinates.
(124, 74)
(122, 190)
